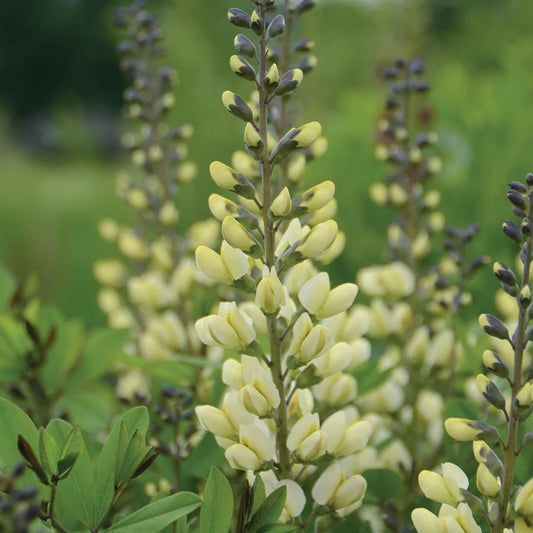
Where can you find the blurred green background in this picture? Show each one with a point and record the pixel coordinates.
(60, 91)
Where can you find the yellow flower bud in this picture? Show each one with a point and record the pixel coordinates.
(296, 168)
(318, 240)
(138, 157)
(223, 175)
(318, 196)
(237, 236)
(169, 214)
(282, 204)
(319, 147)
(343, 495)
(445, 488)
(462, 429)
(108, 300)
(132, 246)
(215, 421)
(309, 341)
(251, 137)
(187, 171)
(245, 164)
(486, 483)
(316, 297)
(336, 390)
(378, 193)
(270, 294)
(425, 521)
(230, 265)
(305, 438)
(221, 207)
(148, 290)
(334, 360)
(432, 199)
(524, 499)
(109, 272)
(137, 199)
(272, 77)
(108, 229)
(307, 134)
(344, 439)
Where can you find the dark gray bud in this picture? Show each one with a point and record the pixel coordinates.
(289, 81)
(527, 226)
(307, 64)
(512, 231)
(276, 27)
(238, 17)
(244, 46)
(516, 199)
(518, 186)
(417, 66)
(493, 326)
(304, 6)
(529, 179)
(504, 274)
(304, 45)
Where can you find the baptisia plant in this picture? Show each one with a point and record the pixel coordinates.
(150, 291)
(412, 304)
(285, 335)
(502, 437)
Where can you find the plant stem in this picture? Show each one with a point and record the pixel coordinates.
(511, 450)
(266, 176)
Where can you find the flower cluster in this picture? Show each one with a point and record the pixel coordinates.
(412, 304)
(505, 496)
(151, 291)
(293, 337)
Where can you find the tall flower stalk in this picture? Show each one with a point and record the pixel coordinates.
(413, 304)
(284, 341)
(504, 494)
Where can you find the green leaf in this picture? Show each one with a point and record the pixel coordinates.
(59, 429)
(75, 494)
(48, 452)
(259, 493)
(137, 418)
(157, 515)
(14, 421)
(269, 511)
(135, 453)
(382, 484)
(369, 377)
(217, 507)
(14, 343)
(62, 356)
(70, 452)
(103, 348)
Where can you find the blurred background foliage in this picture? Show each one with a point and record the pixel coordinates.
(60, 93)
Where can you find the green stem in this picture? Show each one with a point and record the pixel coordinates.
(51, 506)
(275, 348)
(511, 447)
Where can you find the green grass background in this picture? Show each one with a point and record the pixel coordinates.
(479, 55)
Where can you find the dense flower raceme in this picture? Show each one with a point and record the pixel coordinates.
(504, 499)
(294, 338)
(150, 291)
(412, 304)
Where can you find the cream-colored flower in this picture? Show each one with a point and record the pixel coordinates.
(344, 439)
(445, 488)
(343, 495)
(230, 265)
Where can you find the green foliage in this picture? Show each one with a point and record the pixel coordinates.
(217, 507)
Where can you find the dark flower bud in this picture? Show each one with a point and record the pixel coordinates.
(529, 179)
(238, 17)
(417, 66)
(257, 24)
(518, 186)
(276, 27)
(516, 199)
(244, 46)
(493, 326)
(304, 6)
(237, 106)
(307, 64)
(512, 231)
(304, 45)
(400, 63)
(390, 73)
(504, 274)
(289, 81)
